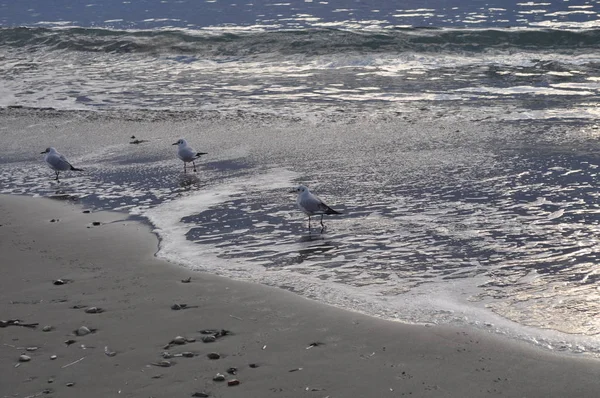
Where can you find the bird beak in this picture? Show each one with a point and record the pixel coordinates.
(41, 153)
(176, 143)
(292, 191)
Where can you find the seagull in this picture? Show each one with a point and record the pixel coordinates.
(311, 205)
(187, 154)
(57, 161)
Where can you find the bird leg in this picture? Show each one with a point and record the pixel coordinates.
(322, 226)
(57, 172)
(184, 168)
(309, 223)
(194, 163)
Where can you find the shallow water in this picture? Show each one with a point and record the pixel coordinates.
(445, 220)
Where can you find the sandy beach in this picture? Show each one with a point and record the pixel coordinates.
(280, 344)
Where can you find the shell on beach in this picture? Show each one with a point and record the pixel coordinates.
(178, 340)
(47, 328)
(83, 330)
(93, 310)
(219, 377)
(163, 364)
(24, 358)
(213, 355)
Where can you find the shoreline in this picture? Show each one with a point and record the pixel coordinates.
(299, 347)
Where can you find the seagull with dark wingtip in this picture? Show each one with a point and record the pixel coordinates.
(311, 204)
(57, 161)
(187, 154)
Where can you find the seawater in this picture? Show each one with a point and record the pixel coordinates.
(459, 141)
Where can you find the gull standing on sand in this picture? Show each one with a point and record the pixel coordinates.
(187, 154)
(312, 205)
(57, 161)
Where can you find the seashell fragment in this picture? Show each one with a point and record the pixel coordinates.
(83, 330)
(219, 377)
(178, 340)
(24, 358)
(213, 355)
(209, 339)
(162, 364)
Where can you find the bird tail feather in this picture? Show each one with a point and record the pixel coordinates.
(76, 169)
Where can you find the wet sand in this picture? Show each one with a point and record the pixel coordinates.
(112, 266)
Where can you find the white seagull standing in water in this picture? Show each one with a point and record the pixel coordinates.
(312, 205)
(57, 161)
(187, 154)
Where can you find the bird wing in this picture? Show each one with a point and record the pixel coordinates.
(187, 154)
(58, 162)
(312, 204)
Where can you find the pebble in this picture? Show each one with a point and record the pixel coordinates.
(213, 355)
(50, 381)
(59, 282)
(70, 341)
(209, 339)
(233, 382)
(232, 371)
(53, 357)
(86, 211)
(253, 365)
(178, 340)
(166, 355)
(190, 339)
(96, 223)
(24, 358)
(200, 394)
(47, 328)
(82, 331)
(93, 310)
(70, 384)
(177, 307)
(31, 349)
(187, 354)
(187, 280)
(219, 377)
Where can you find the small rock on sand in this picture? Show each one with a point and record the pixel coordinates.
(24, 358)
(200, 394)
(233, 382)
(213, 355)
(219, 377)
(47, 328)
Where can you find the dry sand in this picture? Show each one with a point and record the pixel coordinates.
(112, 266)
